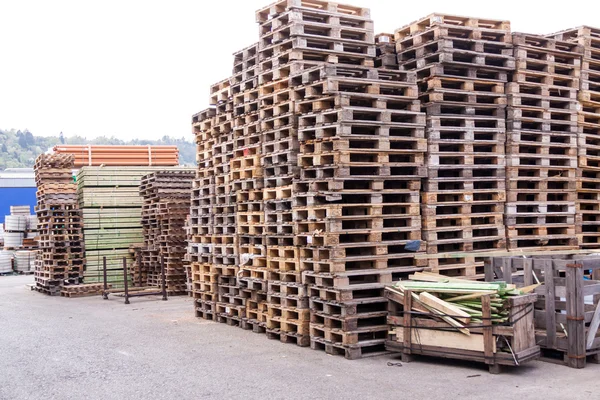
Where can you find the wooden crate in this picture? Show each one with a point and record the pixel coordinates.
(567, 314)
(510, 344)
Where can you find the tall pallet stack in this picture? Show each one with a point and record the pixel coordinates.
(202, 278)
(166, 195)
(228, 306)
(357, 200)
(462, 65)
(542, 144)
(283, 32)
(588, 178)
(248, 175)
(60, 259)
(327, 170)
(112, 211)
(306, 201)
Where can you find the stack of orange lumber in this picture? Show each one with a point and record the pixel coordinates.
(97, 155)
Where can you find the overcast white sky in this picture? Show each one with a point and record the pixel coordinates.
(140, 69)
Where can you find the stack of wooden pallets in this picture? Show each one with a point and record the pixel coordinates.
(307, 191)
(203, 280)
(166, 196)
(60, 259)
(112, 211)
(357, 200)
(321, 178)
(241, 297)
(224, 264)
(286, 312)
(588, 173)
(542, 144)
(386, 51)
(83, 290)
(462, 65)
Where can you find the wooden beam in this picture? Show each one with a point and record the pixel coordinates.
(488, 335)
(445, 307)
(575, 317)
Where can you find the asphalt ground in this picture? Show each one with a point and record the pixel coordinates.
(89, 348)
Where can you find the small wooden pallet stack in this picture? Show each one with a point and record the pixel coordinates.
(462, 65)
(60, 260)
(319, 31)
(166, 195)
(386, 51)
(83, 290)
(138, 272)
(542, 144)
(588, 173)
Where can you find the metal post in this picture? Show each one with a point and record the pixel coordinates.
(105, 292)
(139, 261)
(125, 280)
(163, 277)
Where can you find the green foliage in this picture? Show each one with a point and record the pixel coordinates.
(20, 149)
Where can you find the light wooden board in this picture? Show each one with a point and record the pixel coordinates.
(446, 339)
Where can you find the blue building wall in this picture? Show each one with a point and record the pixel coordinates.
(16, 196)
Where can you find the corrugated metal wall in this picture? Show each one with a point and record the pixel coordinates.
(15, 196)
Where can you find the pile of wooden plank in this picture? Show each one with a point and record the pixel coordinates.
(112, 212)
(485, 322)
(166, 196)
(117, 155)
(462, 66)
(60, 260)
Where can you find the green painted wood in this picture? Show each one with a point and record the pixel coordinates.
(112, 223)
(112, 176)
(120, 212)
(108, 253)
(123, 244)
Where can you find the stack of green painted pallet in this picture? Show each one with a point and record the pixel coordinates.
(112, 211)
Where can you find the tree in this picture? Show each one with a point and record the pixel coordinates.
(22, 141)
(17, 152)
(29, 138)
